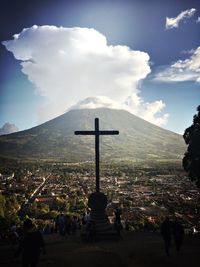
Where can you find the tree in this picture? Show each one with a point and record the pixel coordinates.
(191, 160)
(11, 207)
(2, 206)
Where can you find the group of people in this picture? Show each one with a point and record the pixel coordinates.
(172, 229)
(65, 224)
(31, 241)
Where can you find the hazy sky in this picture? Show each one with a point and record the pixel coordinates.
(139, 55)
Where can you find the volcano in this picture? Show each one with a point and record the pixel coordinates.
(54, 140)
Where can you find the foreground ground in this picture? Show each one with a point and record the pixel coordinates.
(133, 250)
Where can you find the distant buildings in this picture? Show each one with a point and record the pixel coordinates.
(145, 197)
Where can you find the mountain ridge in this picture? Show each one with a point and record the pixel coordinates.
(55, 139)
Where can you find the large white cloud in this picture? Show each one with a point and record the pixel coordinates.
(8, 128)
(133, 104)
(182, 70)
(174, 22)
(70, 64)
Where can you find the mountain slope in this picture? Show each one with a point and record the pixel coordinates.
(55, 139)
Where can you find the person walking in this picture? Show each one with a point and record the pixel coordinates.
(61, 224)
(166, 228)
(178, 234)
(117, 223)
(30, 245)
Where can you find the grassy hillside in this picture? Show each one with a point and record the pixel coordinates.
(55, 139)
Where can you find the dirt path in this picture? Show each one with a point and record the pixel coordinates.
(133, 250)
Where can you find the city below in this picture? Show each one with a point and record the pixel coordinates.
(145, 193)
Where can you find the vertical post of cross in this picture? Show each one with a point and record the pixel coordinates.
(97, 154)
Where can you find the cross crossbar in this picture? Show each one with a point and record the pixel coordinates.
(96, 132)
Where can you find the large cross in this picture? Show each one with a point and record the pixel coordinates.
(96, 132)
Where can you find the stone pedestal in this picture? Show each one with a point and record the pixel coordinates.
(97, 202)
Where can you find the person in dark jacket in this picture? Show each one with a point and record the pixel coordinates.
(117, 223)
(178, 234)
(30, 245)
(166, 228)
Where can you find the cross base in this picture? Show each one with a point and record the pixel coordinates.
(97, 202)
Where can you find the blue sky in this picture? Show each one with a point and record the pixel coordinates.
(132, 59)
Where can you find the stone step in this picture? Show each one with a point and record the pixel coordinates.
(101, 221)
(101, 234)
(111, 235)
(103, 228)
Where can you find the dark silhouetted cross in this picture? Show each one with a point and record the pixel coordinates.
(96, 132)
